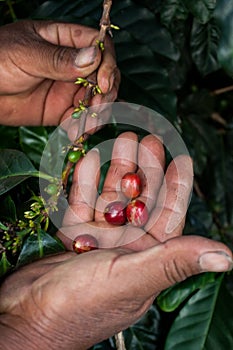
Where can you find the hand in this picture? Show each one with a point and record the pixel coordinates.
(39, 63)
(73, 301)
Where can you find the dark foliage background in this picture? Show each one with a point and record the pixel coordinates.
(176, 57)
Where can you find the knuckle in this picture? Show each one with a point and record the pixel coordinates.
(175, 271)
(61, 56)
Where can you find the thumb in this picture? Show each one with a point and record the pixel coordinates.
(65, 63)
(162, 266)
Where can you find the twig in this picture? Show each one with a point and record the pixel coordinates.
(196, 187)
(218, 118)
(12, 12)
(91, 81)
(65, 175)
(120, 343)
(105, 26)
(222, 90)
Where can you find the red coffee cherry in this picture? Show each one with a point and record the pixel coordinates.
(84, 243)
(131, 185)
(115, 214)
(137, 213)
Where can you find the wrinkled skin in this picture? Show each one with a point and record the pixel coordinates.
(39, 63)
(71, 301)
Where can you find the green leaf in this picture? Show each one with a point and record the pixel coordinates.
(38, 245)
(173, 11)
(204, 44)
(199, 218)
(9, 137)
(33, 141)
(228, 177)
(5, 265)
(141, 59)
(3, 227)
(220, 165)
(224, 15)
(170, 299)
(105, 345)
(205, 322)
(144, 333)
(15, 167)
(80, 11)
(8, 210)
(200, 140)
(145, 27)
(201, 9)
(52, 160)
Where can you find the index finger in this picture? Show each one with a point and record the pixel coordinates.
(66, 34)
(108, 70)
(84, 190)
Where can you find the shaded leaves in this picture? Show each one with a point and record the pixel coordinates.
(15, 167)
(201, 321)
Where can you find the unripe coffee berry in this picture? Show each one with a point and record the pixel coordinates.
(74, 156)
(84, 243)
(51, 189)
(131, 185)
(115, 213)
(137, 213)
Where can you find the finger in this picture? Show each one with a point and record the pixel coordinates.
(108, 68)
(101, 105)
(78, 36)
(167, 219)
(84, 190)
(57, 52)
(124, 159)
(151, 161)
(66, 34)
(162, 266)
(111, 94)
(107, 236)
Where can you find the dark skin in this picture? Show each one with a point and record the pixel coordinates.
(71, 301)
(65, 297)
(39, 63)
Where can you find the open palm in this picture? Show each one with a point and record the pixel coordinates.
(71, 301)
(166, 197)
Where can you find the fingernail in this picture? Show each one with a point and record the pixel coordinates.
(216, 262)
(95, 149)
(85, 56)
(107, 83)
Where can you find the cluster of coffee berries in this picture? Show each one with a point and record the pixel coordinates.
(118, 213)
(135, 211)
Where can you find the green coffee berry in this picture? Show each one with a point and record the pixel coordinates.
(51, 189)
(74, 156)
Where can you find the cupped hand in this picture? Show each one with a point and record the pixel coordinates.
(71, 301)
(39, 63)
(166, 197)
